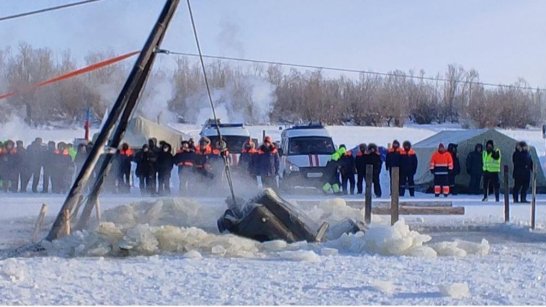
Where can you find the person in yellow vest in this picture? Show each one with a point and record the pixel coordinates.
(491, 169)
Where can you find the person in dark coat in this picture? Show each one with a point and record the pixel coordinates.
(62, 169)
(268, 163)
(523, 166)
(49, 169)
(81, 156)
(10, 169)
(452, 149)
(393, 158)
(35, 157)
(24, 166)
(164, 168)
(360, 165)
(124, 156)
(184, 159)
(408, 168)
(347, 171)
(373, 157)
(155, 149)
(247, 161)
(474, 168)
(145, 170)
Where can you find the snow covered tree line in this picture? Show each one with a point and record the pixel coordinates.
(275, 93)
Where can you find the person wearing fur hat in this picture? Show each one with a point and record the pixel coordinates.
(441, 164)
(491, 169)
(523, 166)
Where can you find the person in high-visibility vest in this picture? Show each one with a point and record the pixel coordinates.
(491, 169)
(441, 163)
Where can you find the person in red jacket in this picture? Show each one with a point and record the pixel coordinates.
(184, 159)
(441, 164)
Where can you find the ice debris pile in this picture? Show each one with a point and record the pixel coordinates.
(185, 227)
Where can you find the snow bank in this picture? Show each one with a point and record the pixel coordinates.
(455, 290)
(177, 225)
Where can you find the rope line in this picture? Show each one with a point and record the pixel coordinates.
(54, 8)
(351, 70)
(220, 139)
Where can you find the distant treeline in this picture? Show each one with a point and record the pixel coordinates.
(291, 95)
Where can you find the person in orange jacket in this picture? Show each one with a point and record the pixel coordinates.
(441, 164)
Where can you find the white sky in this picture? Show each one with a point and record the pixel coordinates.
(502, 39)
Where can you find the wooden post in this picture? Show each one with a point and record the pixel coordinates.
(39, 223)
(506, 196)
(368, 194)
(66, 222)
(395, 194)
(97, 207)
(534, 197)
(263, 136)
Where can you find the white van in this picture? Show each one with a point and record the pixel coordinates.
(305, 150)
(235, 135)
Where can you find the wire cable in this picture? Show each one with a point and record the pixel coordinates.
(217, 124)
(351, 70)
(54, 8)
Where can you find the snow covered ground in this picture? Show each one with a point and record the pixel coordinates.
(187, 266)
(176, 255)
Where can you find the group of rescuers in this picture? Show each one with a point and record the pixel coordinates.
(444, 165)
(200, 164)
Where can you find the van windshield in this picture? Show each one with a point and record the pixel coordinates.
(234, 142)
(307, 145)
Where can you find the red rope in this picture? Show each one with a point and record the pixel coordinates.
(71, 74)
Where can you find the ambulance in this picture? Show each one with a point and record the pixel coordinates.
(305, 150)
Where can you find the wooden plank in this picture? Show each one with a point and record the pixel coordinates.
(506, 196)
(39, 223)
(395, 194)
(359, 204)
(421, 210)
(368, 194)
(534, 196)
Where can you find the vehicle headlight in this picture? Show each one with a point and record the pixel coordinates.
(293, 168)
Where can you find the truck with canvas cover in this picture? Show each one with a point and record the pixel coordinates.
(305, 151)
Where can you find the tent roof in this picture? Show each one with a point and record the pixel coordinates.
(450, 136)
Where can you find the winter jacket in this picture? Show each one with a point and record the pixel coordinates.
(492, 161)
(184, 159)
(408, 162)
(474, 163)
(347, 164)
(360, 162)
(441, 163)
(393, 158)
(248, 161)
(146, 163)
(202, 157)
(165, 161)
(124, 159)
(10, 161)
(36, 154)
(268, 161)
(523, 165)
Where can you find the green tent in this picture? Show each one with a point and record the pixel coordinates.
(466, 141)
